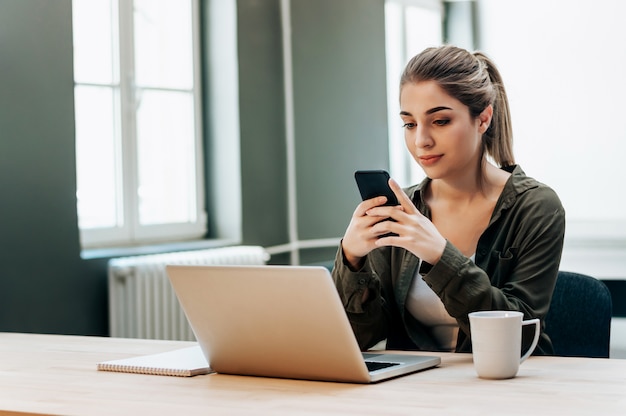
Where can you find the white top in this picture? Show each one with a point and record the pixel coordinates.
(428, 309)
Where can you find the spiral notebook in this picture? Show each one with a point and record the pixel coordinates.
(184, 362)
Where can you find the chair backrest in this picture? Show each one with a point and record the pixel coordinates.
(579, 319)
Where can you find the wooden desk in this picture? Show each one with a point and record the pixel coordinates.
(55, 374)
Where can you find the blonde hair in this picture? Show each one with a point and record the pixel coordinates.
(474, 80)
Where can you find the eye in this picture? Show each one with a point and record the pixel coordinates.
(441, 122)
(409, 126)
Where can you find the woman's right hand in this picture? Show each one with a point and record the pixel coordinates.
(359, 238)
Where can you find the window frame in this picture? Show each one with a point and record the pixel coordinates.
(131, 232)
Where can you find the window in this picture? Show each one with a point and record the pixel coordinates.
(410, 26)
(565, 89)
(138, 129)
(565, 85)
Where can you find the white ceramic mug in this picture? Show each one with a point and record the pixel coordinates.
(497, 342)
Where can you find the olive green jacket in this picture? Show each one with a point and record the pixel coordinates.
(515, 268)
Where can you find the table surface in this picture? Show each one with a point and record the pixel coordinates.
(56, 374)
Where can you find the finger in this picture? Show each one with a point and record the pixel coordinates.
(368, 222)
(403, 198)
(384, 210)
(388, 240)
(386, 229)
(368, 204)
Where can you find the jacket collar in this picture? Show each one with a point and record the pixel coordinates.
(517, 184)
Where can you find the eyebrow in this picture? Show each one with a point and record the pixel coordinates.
(428, 112)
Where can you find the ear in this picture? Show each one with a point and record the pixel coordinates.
(484, 119)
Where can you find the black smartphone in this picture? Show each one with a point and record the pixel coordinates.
(373, 183)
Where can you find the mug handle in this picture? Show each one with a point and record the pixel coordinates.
(535, 339)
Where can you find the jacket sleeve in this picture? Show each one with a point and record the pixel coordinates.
(368, 317)
(520, 276)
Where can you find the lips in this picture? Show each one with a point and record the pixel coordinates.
(428, 160)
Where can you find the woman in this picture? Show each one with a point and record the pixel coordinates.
(476, 234)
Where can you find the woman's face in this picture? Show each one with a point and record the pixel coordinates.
(439, 132)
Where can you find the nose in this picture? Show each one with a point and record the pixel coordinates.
(422, 137)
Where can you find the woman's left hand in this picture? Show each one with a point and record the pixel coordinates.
(415, 232)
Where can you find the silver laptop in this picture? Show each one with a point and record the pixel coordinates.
(279, 321)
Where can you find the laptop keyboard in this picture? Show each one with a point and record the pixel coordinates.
(377, 365)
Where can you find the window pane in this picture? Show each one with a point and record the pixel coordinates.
(423, 29)
(163, 43)
(135, 121)
(576, 143)
(166, 149)
(95, 157)
(409, 29)
(93, 41)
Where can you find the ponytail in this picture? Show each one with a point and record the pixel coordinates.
(498, 139)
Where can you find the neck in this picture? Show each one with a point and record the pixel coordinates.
(483, 182)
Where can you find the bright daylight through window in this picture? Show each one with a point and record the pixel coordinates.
(410, 27)
(138, 130)
(563, 85)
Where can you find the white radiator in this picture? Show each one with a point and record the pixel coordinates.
(142, 303)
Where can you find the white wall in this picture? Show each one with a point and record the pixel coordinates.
(563, 63)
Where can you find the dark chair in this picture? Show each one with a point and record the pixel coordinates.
(579, 319)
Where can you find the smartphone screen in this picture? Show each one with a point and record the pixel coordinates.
(373, 183)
